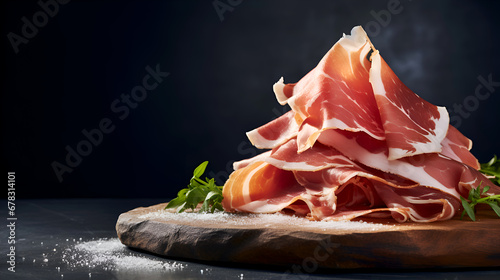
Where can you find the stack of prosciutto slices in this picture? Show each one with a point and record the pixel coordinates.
(357, 142)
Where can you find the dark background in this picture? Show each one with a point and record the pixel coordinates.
(222, 67)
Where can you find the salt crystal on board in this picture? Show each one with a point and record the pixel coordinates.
(261, 220)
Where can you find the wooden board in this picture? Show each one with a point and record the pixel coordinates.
(449, 244)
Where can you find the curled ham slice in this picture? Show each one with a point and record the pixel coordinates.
(274, 133)
(412, 125)
(335, 94)
(457, 147)
(357, 143)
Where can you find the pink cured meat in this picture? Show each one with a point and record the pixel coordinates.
(346, 91)
(275, 132)
(357, 142)
(358, 189)
(431, 170)
(343, 189)
(456, 146)
(335, 94)
(412, 125)
(338, 94)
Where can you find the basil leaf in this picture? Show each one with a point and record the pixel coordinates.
(211, 194)
(181, 208)
(485, 189)
(492, 168)
(468, 208)
(495, 207)
(176, 202)
(193, 197)
(200, 169)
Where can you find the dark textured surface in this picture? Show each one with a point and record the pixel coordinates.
(402, 246)
(44, 223)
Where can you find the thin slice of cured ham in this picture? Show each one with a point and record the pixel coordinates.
(275, 132)
(260, 188)
(456, 146)
(412, 125)
(335, 94)
(357, 142)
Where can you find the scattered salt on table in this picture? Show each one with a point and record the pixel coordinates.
(111, 254)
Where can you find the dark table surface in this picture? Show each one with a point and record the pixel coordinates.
(51, 233)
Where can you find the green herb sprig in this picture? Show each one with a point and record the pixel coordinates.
(198, 191)
(475, 198)
(491, 168)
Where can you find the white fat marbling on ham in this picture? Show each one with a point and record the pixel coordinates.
(275, 132)
(457, 147)
(246, 162)
(316, 158)
(412, 125)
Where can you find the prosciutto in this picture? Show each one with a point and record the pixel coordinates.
(356, 143)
